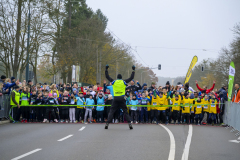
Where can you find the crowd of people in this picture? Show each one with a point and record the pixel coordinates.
(69, 103)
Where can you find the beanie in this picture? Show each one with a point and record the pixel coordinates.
(12, 78)
(167, 83)
(3, 77)
(119, 76)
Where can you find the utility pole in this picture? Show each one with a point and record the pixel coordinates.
(97, 67)
(100, 65)
(27, 67)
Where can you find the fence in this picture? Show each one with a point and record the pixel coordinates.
(4, 106)
(232, 115)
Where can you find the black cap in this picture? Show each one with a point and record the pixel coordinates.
(167, 83)
(16, 87)
(29, 81)
(3, 77)
(12, 78)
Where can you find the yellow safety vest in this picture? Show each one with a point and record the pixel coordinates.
(17, 98)
(119, 88)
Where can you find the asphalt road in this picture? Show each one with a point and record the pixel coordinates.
(118, 142)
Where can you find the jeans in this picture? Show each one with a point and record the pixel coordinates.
(86, 114)
(198, 118)
(212, 115)
(134, 114)
(145, 113)
(100, 115)
(162, 114)
(186, 116)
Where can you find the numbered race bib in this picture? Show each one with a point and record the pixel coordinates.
(186, 105)
(199, 106)
(72, 101)
(39, 103)
(51, 101)
(24, 98)
(33, 100)
(176, 104)
(144, 102)
(205, 107)
(213, 105)
(154, 103)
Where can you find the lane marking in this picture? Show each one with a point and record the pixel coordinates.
(187, 145)
(172, 144)
(82, 128)
(234, 141)
(26, 154)
(65, 138)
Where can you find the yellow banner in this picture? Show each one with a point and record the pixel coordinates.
(189, 73)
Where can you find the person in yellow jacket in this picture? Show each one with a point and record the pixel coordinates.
(198, 111)
(205, 102)
(187, 102)
(161, 109)
(212, 110)
(154, 110)
(15, 101)
(176, 109)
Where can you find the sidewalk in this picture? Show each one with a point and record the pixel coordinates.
(4, 122)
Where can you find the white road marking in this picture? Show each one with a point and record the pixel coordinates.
(187, 145)
(239, 138)
(234, 141)
(82, 128)
(26, 154)
(65, 138)
(172, 144)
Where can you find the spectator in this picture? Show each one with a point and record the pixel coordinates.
(133, 87)
(13, 79)
(8, 85)
(236, 96)
(144, 87)
(3, 78)
(205, 87)
(153, 87)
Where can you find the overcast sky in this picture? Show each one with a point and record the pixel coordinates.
(192, 25)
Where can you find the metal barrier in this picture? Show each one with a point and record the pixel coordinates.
(4, 106)
(231, 116)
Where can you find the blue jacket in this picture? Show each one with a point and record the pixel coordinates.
(110, 88)
(8, 86)
(224, 94)
(80, 100)
(100, 101)
(90, 102)
(134, 102)
(144, 101)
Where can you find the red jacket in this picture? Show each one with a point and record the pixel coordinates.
(208, 90)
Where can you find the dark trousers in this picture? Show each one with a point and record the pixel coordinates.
(16, 113)
(118, 102)
(64, 113)
(211, 117)
(192, 117)
(144, 112)
(186, 116)
(39, 113)
(52, 114)
(198, 118)
(162, 115)
(134, 114)
(176, 116)
(100, 115)
(79, 114)
(155, 115)
(25, 113)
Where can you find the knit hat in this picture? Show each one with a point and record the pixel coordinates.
(119, 76)
(54, 94)
(74, 89)
(12, 78)
(144, 84)
(29, 81)
(153, 82)
(50, 94)
(3, 77)
(167, 83)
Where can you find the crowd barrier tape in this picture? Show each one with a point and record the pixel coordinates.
(101, 105)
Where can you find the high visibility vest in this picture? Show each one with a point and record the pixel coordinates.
(17, 98)
(119, 88)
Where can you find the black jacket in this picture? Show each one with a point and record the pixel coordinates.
(134, 87)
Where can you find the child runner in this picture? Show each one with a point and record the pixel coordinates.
(89, 109)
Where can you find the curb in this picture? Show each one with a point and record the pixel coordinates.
(4, 122)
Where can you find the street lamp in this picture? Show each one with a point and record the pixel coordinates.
(27, 66)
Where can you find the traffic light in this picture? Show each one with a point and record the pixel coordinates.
(202, 68)
(159, 67)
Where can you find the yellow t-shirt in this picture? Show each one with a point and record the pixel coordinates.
(205, 107)
(198, 106)
(187, 105)
(162, 101)
(155, 101)
(176, 104)
(213, 108)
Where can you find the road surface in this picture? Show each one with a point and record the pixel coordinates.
(91, 141)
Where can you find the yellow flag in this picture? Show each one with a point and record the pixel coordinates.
(189, 73)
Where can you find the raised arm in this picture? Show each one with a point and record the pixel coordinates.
(200, 89)
(132, 75)
(107, 75)
(212, 86)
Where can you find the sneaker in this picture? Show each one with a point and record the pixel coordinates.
(106, 126)
(166, 123)
(70, 122)
(22, 120)
(66, 121)
(45, 120)
(85, 122)
(76, 121)
(130, 126)
(82, 121)
(94, 120)
(90, 122)
(116, 121)
(136, 122)
(25, 121)
(131, 121)
(113, 121)
(55, 120)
